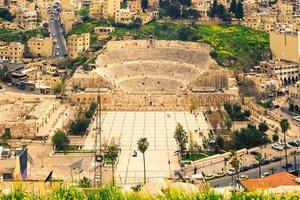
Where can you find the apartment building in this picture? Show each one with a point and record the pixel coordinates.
(110, 8)
(294, 97)
(100, 30)
(40, 47)
(286, 72)
(27, 16)
(125, 16)
(96, 9)
(68, 19)
(78, 44)
(134, 5)
(285, 46)
(12, 52)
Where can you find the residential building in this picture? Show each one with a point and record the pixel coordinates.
(12, 52)
(110, 8)
(294, 97)
(27, 16)
(125, 16)
(100, 30)
(96, 9)
(134, 5)
(285, 46)
(78, 44)
(286, 72)
(40, 47)
(67, 18)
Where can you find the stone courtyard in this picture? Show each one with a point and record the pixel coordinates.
(127, 127)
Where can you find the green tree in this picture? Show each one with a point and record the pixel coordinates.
(214, 9)
(235, 163)
(145, 4)
(6, 135)
(272, 170)
(294, 154)
(228, 123)
(59, 140)
(233, 6)
(187, 34)
(79, 126)
(84, 182)
(275, 136)
(181, 137)
(6, 15)
(263, 127)
(3, 72)
(112, 155)
(239, 14)
(258, 158)
(285, 125)
(143, 145)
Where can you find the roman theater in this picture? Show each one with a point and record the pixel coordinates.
(154, 75)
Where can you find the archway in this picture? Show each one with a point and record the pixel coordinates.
(292, 107)
(289, 80)
(293, 79)
(285, 81)
(296, 108)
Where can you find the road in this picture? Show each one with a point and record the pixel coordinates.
(57, 32)
(253, 173)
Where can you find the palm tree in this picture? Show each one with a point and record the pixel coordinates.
(294, 153)
(272, 169)
(235, 163)
(112, 155)
(259, 159)
(143, 145)
(285, 125)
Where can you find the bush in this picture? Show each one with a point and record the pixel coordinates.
(79, 126)
(60, 140)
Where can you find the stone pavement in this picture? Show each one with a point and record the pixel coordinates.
(127, 127)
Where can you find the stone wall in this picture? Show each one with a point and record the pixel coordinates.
(117, 101)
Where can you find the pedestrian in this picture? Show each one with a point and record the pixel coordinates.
(195, 170)
(169, 162)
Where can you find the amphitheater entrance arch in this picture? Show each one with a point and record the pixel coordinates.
(285, 81)
(292, 107)
(296, 108)
(293, 79)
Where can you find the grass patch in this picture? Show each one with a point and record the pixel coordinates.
(10, 35)
(197, 155)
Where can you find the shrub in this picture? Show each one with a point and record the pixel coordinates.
(60, 140)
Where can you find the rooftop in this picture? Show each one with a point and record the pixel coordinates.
(272, 181)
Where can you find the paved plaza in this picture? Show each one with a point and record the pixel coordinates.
(127, 127)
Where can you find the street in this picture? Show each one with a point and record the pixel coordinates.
(252, 173)
(57, 32)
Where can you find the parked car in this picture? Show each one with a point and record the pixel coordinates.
(231, 172)
(277, 146)
(293, 143)
(266, 174)
(209, 177)
(287, 165)
(220, 174)
(244, 168)
(253, 165)
(275, 159)
(243, 177)
(265, 162)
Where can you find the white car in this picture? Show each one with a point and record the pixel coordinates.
(297, 118)
(231, 172)
(265, 174)
(57, 54)
(277, 146)
(57, 47)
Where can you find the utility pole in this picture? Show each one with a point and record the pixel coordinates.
(98, 146)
